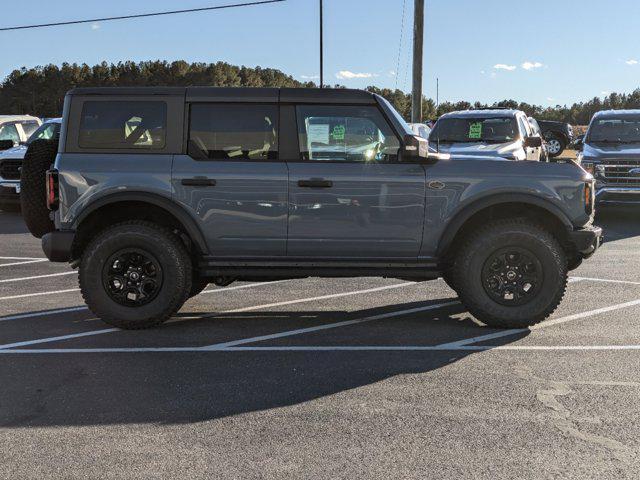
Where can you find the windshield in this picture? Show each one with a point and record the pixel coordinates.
(46, 132)
(474, 130)
(615, 130)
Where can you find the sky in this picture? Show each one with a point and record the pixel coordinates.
(545, 52)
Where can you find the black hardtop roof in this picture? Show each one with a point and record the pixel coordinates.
(239, 94)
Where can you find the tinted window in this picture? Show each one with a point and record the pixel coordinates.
(9, 132)
(474, 130)
(122, 125)
(234, 132)
(343, 133)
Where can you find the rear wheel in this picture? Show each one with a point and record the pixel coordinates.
(511, 274)
(555, 145)
(135, 275)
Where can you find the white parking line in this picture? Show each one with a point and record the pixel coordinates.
(604, 280)
(22, 258)
(42, 314)
(35, 277)
(38, 294)
(317, 328)
(54, 339)
(24, 262)
(322, 348)
(545, 324)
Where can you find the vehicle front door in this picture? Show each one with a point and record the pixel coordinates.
(349, 195)
(232, 181)
(532, 153)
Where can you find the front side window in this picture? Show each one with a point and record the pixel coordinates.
(474, 130)
(123, 125)
(345, 133)
(9, 132)
(615, 130)
(233, 132)
(46, 132)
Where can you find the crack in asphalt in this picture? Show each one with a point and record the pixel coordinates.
(564, 421)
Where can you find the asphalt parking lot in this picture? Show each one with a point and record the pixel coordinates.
(316, 378)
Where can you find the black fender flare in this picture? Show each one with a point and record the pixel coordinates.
(180, 213)
(463, 215)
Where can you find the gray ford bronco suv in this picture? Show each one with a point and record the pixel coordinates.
(156, 192)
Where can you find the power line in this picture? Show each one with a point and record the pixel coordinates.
(400, 45)
(141, 15)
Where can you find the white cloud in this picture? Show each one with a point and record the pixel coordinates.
(604, 93)
(551, 99)
(631, 62)
(392, 73)
(502, 66)
(95, 26)
(532, 65)
(310, 77)
(347, 75)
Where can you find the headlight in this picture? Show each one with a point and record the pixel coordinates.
(589, 167)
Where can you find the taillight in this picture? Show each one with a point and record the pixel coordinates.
(52, 189)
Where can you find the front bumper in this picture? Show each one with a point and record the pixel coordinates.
(57, 245)
(587, 240)
(9, 191)
(617, 195)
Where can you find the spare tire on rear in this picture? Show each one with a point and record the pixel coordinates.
(33, 194)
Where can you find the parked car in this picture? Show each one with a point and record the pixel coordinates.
(287, 183)
(486, 133)
(537, 132)
(559, 135)
(420, 129)
(611, 152)
(15, 129)
(11, 163)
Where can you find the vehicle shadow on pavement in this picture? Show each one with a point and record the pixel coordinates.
(11, 223)
(618, 222)
(189, 387)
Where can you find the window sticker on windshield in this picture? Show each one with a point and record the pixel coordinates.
(475, 130)
(338, 132)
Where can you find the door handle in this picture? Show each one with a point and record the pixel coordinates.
(198, 182)
(315, 183)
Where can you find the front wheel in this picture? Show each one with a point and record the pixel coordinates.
(511, 274)
(135, 275)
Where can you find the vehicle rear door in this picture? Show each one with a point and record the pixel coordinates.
(230, 178)
(349, 196)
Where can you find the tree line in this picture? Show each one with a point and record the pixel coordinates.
(40, 91)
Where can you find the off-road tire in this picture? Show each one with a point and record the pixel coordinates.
(563, 145)
(160, 242)
(506, 233)
(33, 195)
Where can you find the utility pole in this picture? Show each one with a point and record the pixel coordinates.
(321, 48)
(418, 39)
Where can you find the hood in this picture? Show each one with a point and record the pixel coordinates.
(612, 151)
(510, 150)
(15, 152)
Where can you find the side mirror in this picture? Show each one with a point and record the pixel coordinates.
(578, 143)
(415, 148)
(533, 142)
(7, 144)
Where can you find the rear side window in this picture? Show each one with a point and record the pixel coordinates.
(233, 132)
(345, 134)
(123, 125)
